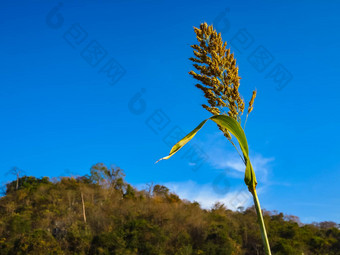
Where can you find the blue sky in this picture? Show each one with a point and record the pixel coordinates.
(63, 109)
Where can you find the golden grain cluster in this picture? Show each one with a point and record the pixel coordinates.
(218, 75)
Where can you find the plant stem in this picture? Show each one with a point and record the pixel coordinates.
(261, 222)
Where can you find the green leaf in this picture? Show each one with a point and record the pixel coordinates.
(184, 141)
(234, 128)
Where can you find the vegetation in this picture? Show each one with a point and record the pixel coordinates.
(102, 214)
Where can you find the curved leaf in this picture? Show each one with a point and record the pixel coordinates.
(234, 128)
(184, 141)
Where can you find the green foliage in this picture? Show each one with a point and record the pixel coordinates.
(38, 242)
(44, 217)
(26, 182)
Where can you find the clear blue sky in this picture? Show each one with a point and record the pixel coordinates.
(60, 114)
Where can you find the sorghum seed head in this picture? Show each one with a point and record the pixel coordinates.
(218, 74)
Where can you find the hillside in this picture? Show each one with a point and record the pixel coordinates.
(102, 214)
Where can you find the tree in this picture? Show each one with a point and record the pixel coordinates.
(16, 172)
(112, 177)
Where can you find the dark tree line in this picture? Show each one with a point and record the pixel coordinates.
(102, 214)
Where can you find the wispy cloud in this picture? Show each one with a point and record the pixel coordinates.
(222, 156)
(206, 195)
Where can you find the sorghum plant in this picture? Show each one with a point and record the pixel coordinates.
(219, 80)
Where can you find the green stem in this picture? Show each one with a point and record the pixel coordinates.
(261, 222)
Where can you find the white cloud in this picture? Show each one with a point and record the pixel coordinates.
(261, 166)
(223, 156)
(207, 195)
(233, 162)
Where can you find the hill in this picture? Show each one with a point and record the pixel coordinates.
(102, 214)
